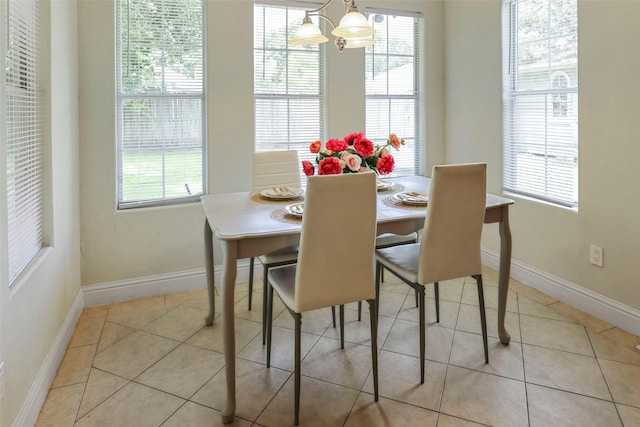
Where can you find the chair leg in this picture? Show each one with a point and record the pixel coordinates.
(422, 339)
(382, 275)
(333, 315)
(483, 317)
(341, 325)
(374, 345)
(269, 321)
(298, 321)
(416, 292)
(264, 301)
(251, 262)
(436, 291)
(359, 311)
(378, 273)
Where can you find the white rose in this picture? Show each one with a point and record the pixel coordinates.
(352, 161)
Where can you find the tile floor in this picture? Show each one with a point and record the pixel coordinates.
(152, 362)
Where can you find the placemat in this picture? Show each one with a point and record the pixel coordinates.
(259, 199)
(395, 203)
(395, 188)
(281, 215)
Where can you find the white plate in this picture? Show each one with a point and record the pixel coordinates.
(412, 198)
(281, 193)
(295, 209)
(382, 185)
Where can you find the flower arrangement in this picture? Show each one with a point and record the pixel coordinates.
(353, 154)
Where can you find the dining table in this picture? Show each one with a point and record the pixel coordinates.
(248, 225)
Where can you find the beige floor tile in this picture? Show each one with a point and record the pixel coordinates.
(178, 324)
(504, 360)
(387, 413)
(390, 303)
(606, 348)
(359, 331)
(623, 337)
(75, 366)
(484, 398)
(449, 421)
(623, 380)
(556, 334)
(490, 276)
(321, 404)
(448, 312)
(210, 337)
(130, 356)
(565, 371)
(630, 416)
(100, 386)
(392, 284)
(255, 314)
(581, 317)
(136, 314)
(399, 379)
(469, 321)
(549, 407)
(534, 294)
(255, 387)
(95, 311)
(87, 331)
(531, 307)
(112, 333)
(61, 406)
(133, 405)
(404, 338)
(313, 322)
(348, 367)
(193, 415)
(187, 297)
(450, 290)
(183, 371)
(470, 296)
(282, 348)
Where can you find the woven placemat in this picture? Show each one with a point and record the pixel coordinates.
(395, 188)
(260, 199)
(395, 203)
(282, 215)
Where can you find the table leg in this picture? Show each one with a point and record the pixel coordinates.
(209, 267)
(229, 259)
(505, 271)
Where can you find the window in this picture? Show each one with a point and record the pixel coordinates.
(160, 102)
(541, 100)
(288, 90)
(392, 85)
(25, 104)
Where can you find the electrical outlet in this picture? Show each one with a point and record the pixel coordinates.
(1, 380)
(597, 255)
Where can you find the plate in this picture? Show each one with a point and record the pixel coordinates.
(282, 193)
(412, 198)
(295, 209)
(382, 185)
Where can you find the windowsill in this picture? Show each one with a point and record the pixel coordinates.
(26, 275)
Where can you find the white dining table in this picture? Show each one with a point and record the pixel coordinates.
(247, 225)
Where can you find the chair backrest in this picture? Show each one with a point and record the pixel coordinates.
(450, 245)
(275, 168)
(337, 243)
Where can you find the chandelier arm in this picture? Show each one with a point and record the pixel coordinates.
(319, 15)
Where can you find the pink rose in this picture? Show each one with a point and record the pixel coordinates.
(385, 164)
(363, 146)
(336, 145)
(315, 147)
(352, 161)
(329, 166)
(307, 168)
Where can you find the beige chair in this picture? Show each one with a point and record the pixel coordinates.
(335, 259)
(273, 169)
(450, 242)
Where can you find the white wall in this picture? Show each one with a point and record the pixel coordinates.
(551, 239)
(33, 311)
(135, 243)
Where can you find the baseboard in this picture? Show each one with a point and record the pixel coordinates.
(30, 410)
(160, 284)
(600, 306)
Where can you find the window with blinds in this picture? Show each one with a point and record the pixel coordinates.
(288, 89)
(25, 102)
(160, 102)
(392, 85)
(540, 83)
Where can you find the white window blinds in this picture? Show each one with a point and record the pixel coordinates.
(160, 101)
(24, 103)
(288, 90)
(541, 100)
(392, 85)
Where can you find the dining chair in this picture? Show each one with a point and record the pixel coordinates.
(449, 247)
(273, 169)
(335, 259)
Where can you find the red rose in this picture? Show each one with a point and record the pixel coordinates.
(336, 145)
(315, 147)
(307, 168)
(353, 136)
(363, 146)
(329, 166)
(385, 164)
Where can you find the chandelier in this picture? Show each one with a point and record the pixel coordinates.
(353, 31)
